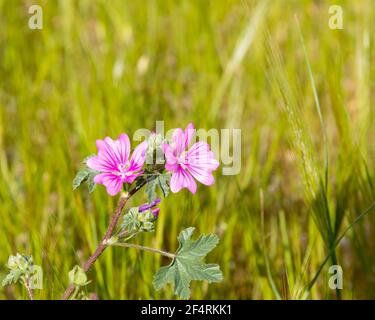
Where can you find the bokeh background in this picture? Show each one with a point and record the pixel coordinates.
(100, 68)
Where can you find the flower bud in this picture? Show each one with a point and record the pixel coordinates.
(144, 207)
(155, 212)
(155, 202)
(78, 277)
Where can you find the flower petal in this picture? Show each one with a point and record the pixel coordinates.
(203, 175)
(111, 181)
(178, 138)
(120, 148)
(182, 179)
(199, 148)
(114, 187)
(189, 133)
(138, 157)
(99, 164)
(176, 181)
(130, 178)
(114, 152)
(105, 153)
(99, 178)
(124, 147)
(171, 160)
(190, 182)
(199, 155)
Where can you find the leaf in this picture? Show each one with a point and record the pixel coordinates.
(135, 221)
(131, 222)
(162, 182)
(91, 185)
(87, 175)
(78, 277)
(12, 277)
(80, 177)
(19, 266)
(154, 153)
(188, 264)
(151, 190)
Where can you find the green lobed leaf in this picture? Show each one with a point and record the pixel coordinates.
(12, 277)
(19, 266)
(135, 221)
(151, 191)
(87, 175)
(154, 153)
(80, 177)
(188, 264)
(130, 222)
(162, 182)
(91, 185)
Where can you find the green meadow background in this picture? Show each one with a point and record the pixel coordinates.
(302, 94)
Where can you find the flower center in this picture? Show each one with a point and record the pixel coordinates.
(183, 160)
(123, 170)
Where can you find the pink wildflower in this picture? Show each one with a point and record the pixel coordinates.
(114, 164)
(198, 162)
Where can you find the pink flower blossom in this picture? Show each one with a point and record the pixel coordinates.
(198, 162)
(114, 164)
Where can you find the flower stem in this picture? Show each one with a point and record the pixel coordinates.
(103, 244)
(75, 292)
(29, 290)
(137, 246)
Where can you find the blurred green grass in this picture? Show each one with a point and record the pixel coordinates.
(100, 68)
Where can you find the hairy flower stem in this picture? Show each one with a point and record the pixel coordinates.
(29, 290)
(137, 246)
(103, 244)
